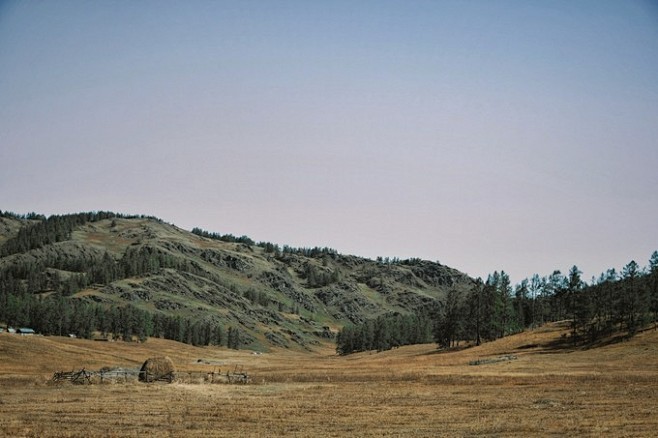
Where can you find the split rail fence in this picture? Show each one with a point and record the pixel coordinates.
(125, 375)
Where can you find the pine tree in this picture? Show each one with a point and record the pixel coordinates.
(474, 312)
(219, 336)
(633, 299)
(234, 340)
(382, 334)
(509, 321)
(576, 302)
(449, 327)
(653, 286)
(489, 329)
(601, 304)
(555, 289)
(364, 337)
(536, 287)
(522, 305)
(345, 340)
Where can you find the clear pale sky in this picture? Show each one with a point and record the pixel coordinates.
(488, 135)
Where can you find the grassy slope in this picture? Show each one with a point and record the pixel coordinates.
(8, 227)
(365, 290)
(537, 351)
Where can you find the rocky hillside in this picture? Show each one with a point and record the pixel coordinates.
(291, 297)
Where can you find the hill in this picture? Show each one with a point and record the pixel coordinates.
(269, 296)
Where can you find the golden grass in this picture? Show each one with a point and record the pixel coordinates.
(411, 391)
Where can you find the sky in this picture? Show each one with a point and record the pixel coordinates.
(487, 135)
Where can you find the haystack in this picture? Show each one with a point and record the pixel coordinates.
(157, 368)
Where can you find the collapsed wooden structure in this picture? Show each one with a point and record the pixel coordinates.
(76, 377)
(149, 374)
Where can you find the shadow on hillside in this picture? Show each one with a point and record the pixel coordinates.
(567, 344)
(562, 342)
(446, 350)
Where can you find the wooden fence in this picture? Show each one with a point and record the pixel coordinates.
(77, 377)
(126, 375)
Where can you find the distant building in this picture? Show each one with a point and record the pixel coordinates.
(24, 331)
(11, 330)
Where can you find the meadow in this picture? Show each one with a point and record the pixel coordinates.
(528, 384)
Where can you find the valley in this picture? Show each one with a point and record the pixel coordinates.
(546, 389)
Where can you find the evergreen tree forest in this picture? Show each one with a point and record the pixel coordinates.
(385, 332)
(36, 292)
(612, 304)
(39, 289)
(269, 247)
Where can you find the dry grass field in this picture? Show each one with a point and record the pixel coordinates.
(610, 390)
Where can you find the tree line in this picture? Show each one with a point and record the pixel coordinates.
(41, 231)
(385, 332)
(621, 303)
(34, 291)
(614, 302)
(68, 273)
(269, 247)
(56, 315)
